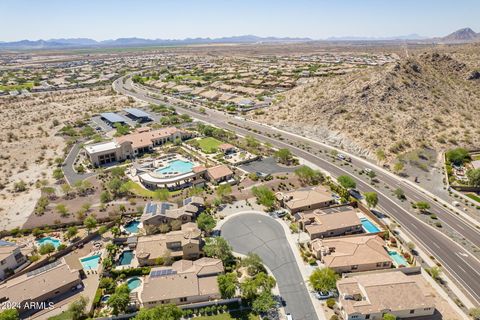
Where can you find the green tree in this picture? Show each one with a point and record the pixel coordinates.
(162, 194)
(105, 197)
(423, 206)
(371, 174)
(324, 279)
(119, 300)
(90, 223)
(218, 248)
(263, 303)
(9, 314)
(457, 156)
(473, 176)
(206, 222)
(227, 283)
(117, 172)
(251, 141)
(62, 209)
(165, 312)
(389, 316)
(398, 167)
(307, 175)
(434, 272)
(253, 263)
(264, 195)
(284, 156)
(77, 308)
(474, 313)
(347, 182)
(58, 174)
(371, 198)
(46, 248)
(399, 193)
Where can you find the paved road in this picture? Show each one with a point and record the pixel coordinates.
(457, 261)
(264, 236)
(70, 175)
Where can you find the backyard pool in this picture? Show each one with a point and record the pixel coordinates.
(126, 257)
(133, 283)
(397, 258)
(55, 242)
(368, 226)
(132, 226)
(91, 262)
(179, 166)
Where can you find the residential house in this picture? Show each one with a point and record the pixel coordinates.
(306, 199)
(46, 284)
(352, 253)
(371, 295)
(185, 282)
(156, 214)
(320, 224)
(184, 243)
(11, 258)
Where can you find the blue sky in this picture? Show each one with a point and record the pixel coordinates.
(168, 19)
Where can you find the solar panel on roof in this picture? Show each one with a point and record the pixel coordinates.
(137, 112)
(162, 273)
(112, 117)
(4, 243)
(151, 208)
(164, 206)
(187, 201)
(44, 268)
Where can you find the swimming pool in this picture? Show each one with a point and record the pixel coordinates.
(132, 226)
(55, 242)
(397, 258)
(126, 257)
(179, 166)
(133, 283)
(368, 226)
(91, 262)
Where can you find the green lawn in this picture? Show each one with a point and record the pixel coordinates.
(244, 315)
(473, 196)
(62, 316)
(141, 192)
(209, 144)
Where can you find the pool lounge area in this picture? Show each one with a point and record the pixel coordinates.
(54, 241)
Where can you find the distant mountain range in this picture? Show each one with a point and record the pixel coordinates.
(464, 35)
(126, 42)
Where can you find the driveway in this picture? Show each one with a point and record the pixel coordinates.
(70, 175)
(264, 236)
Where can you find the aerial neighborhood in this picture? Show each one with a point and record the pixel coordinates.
(238, 178)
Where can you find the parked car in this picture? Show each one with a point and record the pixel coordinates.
(320, 295)
(289, 316)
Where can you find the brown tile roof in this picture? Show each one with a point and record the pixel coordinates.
(391, 290)
(351, 250)
(219, 171)
(324, 222)
(142, 138)
(307, 197)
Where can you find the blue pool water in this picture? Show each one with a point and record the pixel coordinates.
(90, 263)
(133, 283)
(132, 226)
(126, 257)
(176, 166)
(51, 240)
(369, 226)
(397, 258)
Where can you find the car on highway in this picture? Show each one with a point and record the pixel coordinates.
(367, 170)
(343, 157)
(289, 316)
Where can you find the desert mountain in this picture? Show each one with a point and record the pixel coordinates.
(427, 100)
(462, 35)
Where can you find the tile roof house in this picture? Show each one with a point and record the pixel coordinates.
(219, 173)
(155, 214)
(305, 199)
(47, 283)
(320, 224)
(370, 295)
(352, 253)
(185, 282)
(183, 243)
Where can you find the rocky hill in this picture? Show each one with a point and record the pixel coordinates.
(430, 100)
(462, 35)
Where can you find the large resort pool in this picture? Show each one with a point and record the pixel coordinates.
(53, 241)
(171, 171)
(176, 167)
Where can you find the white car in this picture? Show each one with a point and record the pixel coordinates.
(323, 295)
(367, 170)
(289, 316)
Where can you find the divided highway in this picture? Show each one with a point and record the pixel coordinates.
(461, 265)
